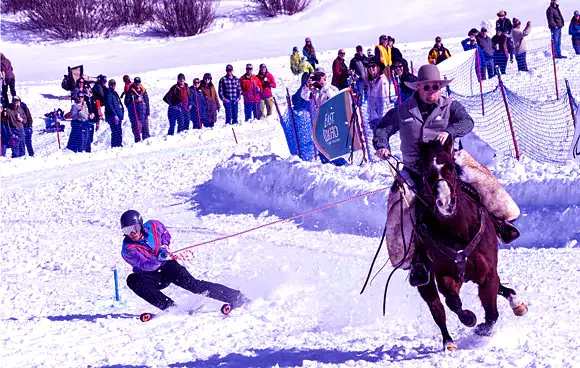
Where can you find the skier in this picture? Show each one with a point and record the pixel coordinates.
(146, 248)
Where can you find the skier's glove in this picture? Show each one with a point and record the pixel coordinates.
(164, 255)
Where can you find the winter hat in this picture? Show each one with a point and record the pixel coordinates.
(207, 76)
(501, 13)
(295, 49)
(137, 80)
(389, 38)
(249, 66)
(319, 70)
(437, 39)
(263, 66)
(102, 78)
(577, 13)
(483, 29)
(359, 48)
(180, 76)
(516, 22)
(373, 62)
(111, 82)
(428, 73)
(382, 39)
(229, 68)
(307, 39)
(473, 31)
(16, 98)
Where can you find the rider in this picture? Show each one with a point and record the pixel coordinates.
(427, 116)
(146, 248)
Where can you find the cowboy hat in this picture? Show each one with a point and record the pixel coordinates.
(428, 73)
(501, 13)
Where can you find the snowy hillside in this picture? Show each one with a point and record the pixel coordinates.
(60, 218)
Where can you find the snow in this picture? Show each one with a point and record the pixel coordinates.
(61, 239)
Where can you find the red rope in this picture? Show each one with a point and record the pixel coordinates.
(286, 219)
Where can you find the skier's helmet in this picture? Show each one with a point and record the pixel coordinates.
(132, 221)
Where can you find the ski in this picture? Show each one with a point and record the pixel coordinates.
(147, 316)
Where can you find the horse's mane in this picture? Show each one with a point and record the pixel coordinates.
(433, 147)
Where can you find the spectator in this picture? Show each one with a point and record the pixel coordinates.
(94, 120)
(503, 24)
(358, 65)
(487, 46)
(99, 92)
(80, 87)
(27, 130)
(213, 103)
(8, 79)
(370, 54)
(395, 52)
(556, 22)
(268, 82)
(574, 31)
(438, 53)
(79, 133)
(16, 121)
(501, 51)
(378, 92)
(520, 43)
(230, 91)
(382, 52)
(470, 43)
(114, 114)
(309, 52)
(340, 72)
(178, 100)
(305, 66)
(137, 103)
(299, 103)
(127, 85)
(251, 90)
(198, 105)
(320, 90)
(401, 74)
(295, 60)
(5, 132)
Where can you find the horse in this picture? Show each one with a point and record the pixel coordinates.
(456, 234)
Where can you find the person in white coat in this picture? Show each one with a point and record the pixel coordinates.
(378, 85)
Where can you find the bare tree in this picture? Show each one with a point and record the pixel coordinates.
(272, 8)
(184, 17)
(136, 12)
(72, 19)
(13, 6)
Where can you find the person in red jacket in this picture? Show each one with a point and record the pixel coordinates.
(340, 71)
(268, 82)
(251, 90)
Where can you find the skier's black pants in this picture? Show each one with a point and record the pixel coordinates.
(148, 285)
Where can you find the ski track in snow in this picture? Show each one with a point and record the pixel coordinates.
(60, 238)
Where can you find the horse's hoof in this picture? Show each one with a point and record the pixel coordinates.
(467, 317)
(450, 346)
(484, 329)
(520, 310)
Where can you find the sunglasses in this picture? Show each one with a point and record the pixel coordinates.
(398, 67)
(341, 53)
(131, 229)
(434, 87)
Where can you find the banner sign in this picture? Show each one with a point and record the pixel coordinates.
(333, 132)
(575, 149)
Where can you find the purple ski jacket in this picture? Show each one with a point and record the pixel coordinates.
(142, 255)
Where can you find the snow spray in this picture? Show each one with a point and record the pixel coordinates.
(116, 276)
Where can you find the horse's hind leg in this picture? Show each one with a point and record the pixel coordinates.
(488, 296)
(517, 305)
(450, 290)
(431, 296)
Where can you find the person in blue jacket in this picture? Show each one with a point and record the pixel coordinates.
(470, 43)
(146, 248)
(197, 105)
(574, 31)
(309, 52)
(114, 114)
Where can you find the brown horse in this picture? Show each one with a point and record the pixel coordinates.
(457, 235)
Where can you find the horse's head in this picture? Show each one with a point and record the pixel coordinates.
(439, 176)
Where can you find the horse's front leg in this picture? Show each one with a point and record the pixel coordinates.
(450, 290)
(488, 296)
(519, 307)
(431, 296)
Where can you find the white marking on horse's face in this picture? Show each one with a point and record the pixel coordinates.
(444, 201)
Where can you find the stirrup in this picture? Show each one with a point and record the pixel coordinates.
(419, 275)
(508, 232)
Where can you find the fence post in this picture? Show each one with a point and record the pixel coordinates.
(571, 100)
(291, 112)
(57, 128)
(479, 77)
(555, 72)
(509, 116)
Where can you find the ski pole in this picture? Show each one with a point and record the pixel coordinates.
(116, 276)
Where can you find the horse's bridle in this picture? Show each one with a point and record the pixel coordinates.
(430, 189)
